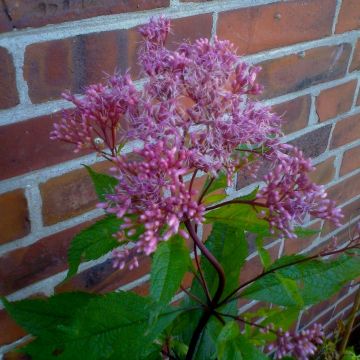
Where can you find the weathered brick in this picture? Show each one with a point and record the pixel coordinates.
(313, 311)
(72, 63)
(9, 330)
(345, 190)
(68, 195)
(27, 265)
(295, 113)
(36, 150)
(5, 20)
(294, 246)
(335, 101)
(38, 13)
(14, 216)
(253, 267)
(350, 160)
(349, 16)
(9, 97)
(103, 277)
(269, 26)
(345, 302)
(299, 71)
(324, 172)
(355, 63)
(346, 131)
(313, 143)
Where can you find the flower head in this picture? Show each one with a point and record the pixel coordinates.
(151, 196)
(301, 345)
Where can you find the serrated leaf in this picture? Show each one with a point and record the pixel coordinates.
(111, 326)
(93, 242)
(231, 345)
(169, 265)
(103, 183)
(241, 216)
(41, 316)
(316, 280)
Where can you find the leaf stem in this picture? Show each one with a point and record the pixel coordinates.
(247, 202)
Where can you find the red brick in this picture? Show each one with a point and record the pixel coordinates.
(355, 63)
(72, 63)
(345, 190)
(350, 161)
(69, 64)
(313, 311)
(38, 13)
(335, 101)
(103, 277)
(358, 100)
(9, 97)
(346, 131)
(9, 330)
(27, 265)
(313, 143)
(345, 302)
(295, 113)
(270, 26)
(324, 172)
(294, 246)
(14, 216)
(349, 16)
(300, 71)
(5, 21)
(253, 267)
(36, 150)
(68, 195)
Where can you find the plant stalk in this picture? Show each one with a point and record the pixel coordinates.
(349, 325)
(215, 300)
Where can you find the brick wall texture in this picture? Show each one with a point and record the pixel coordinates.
(310, 54)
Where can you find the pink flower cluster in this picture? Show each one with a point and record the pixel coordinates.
(196, 111)
(289, 194)
(301, 345)
(96, 121)
(151, 197)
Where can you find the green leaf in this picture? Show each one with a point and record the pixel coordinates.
(41, 316)
(214, 198)
(230, 248)
(316, 280)
(111, 326)
(93, 242)
(304, 232)
(103, 183)
(241, 216)
(218, 183)
(231, 345)
(169, 265)
(249, 197)
(264, 255)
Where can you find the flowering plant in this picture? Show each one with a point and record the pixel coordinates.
(195, 125)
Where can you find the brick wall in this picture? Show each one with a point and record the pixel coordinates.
(310, 54)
